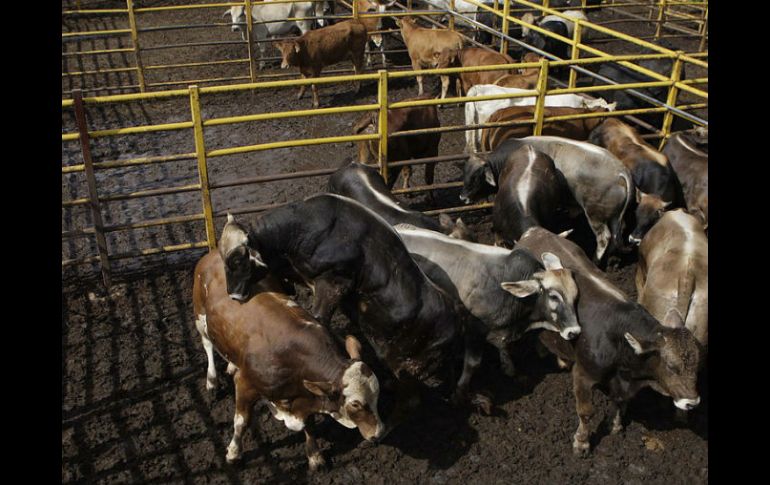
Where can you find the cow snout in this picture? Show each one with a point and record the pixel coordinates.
(236, 28)
(634, 240)
(570, 333)
(465, 199)
(687, 404)
(238, 296)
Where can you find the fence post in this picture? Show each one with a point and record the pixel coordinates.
(673, 91)
(93, 196)
(249, 42)
(542, 86)
(504, 30)
(576, 38)
(704, 30)
(409, 5)
(661, 15)
(451, 16)
(203, 171)
(135, 41)
(382, 122)
(355, 9)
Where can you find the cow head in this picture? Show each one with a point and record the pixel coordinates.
(671, 358)
(322, 9)
(237, 17)
(528, 18)
(456, 229)
(478, 179)
(243, 263)
(649, 210)
(352, 400)
(290, 50)
(556, 292)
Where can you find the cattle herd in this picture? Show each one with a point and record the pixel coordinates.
(427, 298)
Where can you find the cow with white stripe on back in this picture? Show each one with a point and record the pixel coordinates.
(510, 292)
(364, 184)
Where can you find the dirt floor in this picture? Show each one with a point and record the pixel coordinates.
(134, 403)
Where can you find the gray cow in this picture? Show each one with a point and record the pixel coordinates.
(510, 292)
(598, 181)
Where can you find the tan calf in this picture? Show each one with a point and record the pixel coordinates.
(526, 79)
(425, 48)
(474, 56)
(672, 275)
(278, 353)
(319, 48)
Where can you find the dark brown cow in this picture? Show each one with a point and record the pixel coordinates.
(653, 176)
(405, 147)
(621, 347)
(577, 129)
(317, 49)
(475, 56)
(685, 153)
(279, 353)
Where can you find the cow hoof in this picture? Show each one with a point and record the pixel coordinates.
(316, 462)
(482, 403)
(580, 448)
(233, 454)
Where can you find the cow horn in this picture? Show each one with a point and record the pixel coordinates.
(353, 347)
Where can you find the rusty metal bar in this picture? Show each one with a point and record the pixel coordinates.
(249, 35)
(96, 211)
(203, 173)
(382, 123)
(135, 41)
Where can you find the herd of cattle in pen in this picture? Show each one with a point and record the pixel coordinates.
(428, 299)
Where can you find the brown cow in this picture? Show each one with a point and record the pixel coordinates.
(691, 164)
(577, 129)
(526, 79)
(657, 185)
(319, 48)
(425, 48)
(405, 147)
(279, 353)
(672, 275)
(475, 56)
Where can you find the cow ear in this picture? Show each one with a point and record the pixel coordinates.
(551, 261)
(353, 347)
(673, 319)
(521, 289)
(445, 221)
(566, 233)
(230, 218)
(489, 176)
(639, 347)
(320, 388)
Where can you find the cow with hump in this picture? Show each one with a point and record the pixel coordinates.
(352, 258)
(658, 188)
(365, 185)
(687, 151)
(621, 347)
(510, 292)
(672, 275)
(600, 184)
(278, 353)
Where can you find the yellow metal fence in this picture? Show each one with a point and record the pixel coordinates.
(202, 155)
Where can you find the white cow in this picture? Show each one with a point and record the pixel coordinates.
(575, 14)
(477, 112)
(276, 15)
(461, 6)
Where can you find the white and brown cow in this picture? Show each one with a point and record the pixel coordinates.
(278, 353)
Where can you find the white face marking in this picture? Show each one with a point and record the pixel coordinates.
(291, 304)
(686, 404)
(357, 387)
(385, 200)
(570, 333)
(543, 324)
(292, 422)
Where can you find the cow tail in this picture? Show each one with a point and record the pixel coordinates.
(618, 236)
(685, 286)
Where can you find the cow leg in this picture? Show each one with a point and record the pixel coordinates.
(444, 86)
(617, 421)
(245, 397)
(357, 68)
(208, 346)
(302, 88)
(407, 175)
(471, 362)
(315, 95)
(315, 459)
(416, 67)
(500, 341)
(327, 293)
(581, 386)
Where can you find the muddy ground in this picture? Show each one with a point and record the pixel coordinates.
(134, 403)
